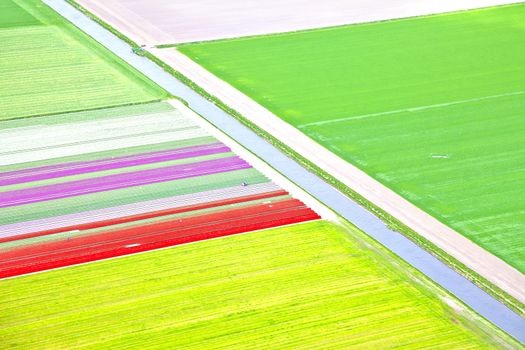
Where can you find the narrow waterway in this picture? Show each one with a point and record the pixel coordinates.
(462, 288)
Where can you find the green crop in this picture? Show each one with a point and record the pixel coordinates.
(47, 66)
(433, 107)
(312, 285)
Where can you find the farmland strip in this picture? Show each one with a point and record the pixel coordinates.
(144, 216)
(68, 169)
(129, 195)
(99, 146)
(111, 182)
(135, 208)
(132, 240)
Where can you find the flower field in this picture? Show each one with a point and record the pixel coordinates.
(143, 177)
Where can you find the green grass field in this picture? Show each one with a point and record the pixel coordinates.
(311, 285)
(433, 107)
(48, 66)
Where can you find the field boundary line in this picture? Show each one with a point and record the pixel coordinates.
(411, 109)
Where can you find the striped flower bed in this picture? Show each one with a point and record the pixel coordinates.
(93, 185)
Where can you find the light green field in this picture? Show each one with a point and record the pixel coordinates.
(433, 107)
(48, 66)
(311, 286)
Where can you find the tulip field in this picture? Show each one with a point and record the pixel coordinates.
(143, 177)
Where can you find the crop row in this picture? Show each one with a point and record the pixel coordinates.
(75, 194)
